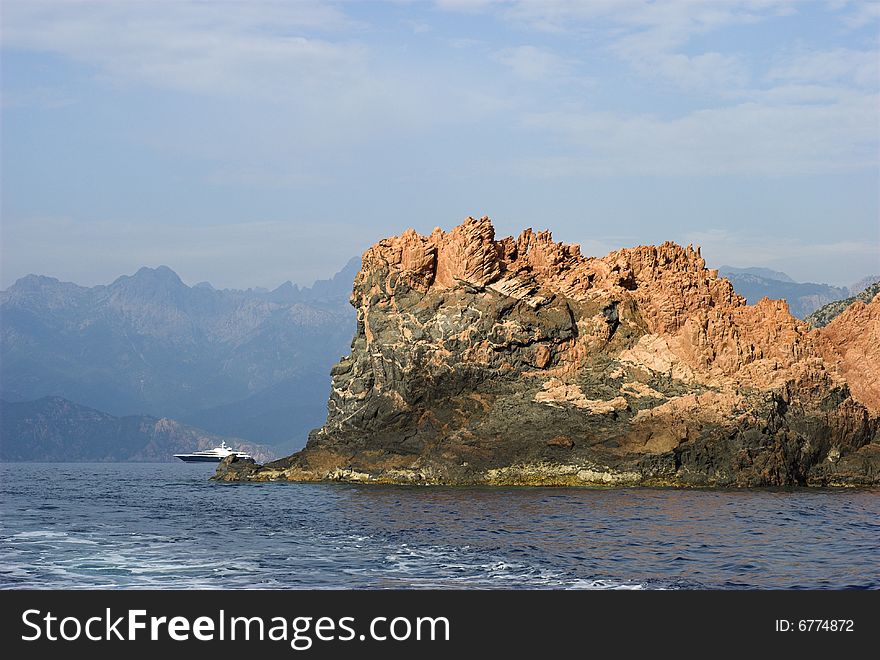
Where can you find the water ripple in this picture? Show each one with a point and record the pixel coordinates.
(167, 526)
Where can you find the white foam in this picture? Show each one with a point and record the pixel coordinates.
(40, 534)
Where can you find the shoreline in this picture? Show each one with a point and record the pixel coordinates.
(519, 476)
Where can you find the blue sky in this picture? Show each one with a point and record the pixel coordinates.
(248, 143)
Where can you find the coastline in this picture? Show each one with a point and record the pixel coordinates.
(571, 475)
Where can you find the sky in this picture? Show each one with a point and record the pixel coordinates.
(250, 143)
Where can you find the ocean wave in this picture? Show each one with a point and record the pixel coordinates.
(139, 533)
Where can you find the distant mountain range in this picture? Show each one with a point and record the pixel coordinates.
(253, 363)
(55, 429)
(803, 298)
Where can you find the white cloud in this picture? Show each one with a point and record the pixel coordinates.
(802, 94)
(705, 72)
(418, 27)
(864, 13)
(43, 97)
(665, 23)
(460, 43)
(860, 67)
(650, 36)
(468, 6)
(306, 88)
(534, 64)
(288, 78)
(191, 46)
(752, 138)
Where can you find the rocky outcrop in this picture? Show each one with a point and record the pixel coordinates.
(521, 361)
(851, 343)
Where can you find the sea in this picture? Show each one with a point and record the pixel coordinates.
(140, 526)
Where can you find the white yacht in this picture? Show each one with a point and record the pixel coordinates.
(214, 455)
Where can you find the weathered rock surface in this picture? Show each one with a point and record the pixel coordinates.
(520, 361)
(851, 342)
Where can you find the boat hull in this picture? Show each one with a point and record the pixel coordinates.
(200, 459)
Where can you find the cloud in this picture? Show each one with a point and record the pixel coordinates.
(468, 6)
(273, 83)
(649, 36)
(841, 65)
(42, 97)
(664, 24)
(534, 64)
(751, 138)
(797, 94)
(460, 43)
(191, 46)
(863, 13)
(295, 93)
(417, 27)
(705, 72)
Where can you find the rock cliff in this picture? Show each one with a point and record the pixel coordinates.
(521, 361)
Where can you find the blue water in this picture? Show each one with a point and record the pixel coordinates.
(167, 526)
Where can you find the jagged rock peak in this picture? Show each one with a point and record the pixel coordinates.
(669, 279)
(470, 254)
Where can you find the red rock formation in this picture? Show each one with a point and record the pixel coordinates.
(474, 356)
(851, 342)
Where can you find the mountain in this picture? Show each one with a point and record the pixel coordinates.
(862, 284)
(763, 273)
(824, 315)
(55, 429)
(479, 361)
(150, 344)
(803, 298)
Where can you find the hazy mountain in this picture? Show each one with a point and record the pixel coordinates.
(862, 284)
(55, 429)
(824, 315)
(803, 297)
(254, 361)
(764, 273)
